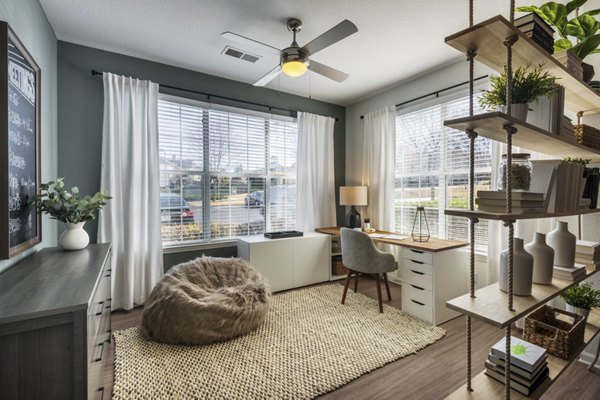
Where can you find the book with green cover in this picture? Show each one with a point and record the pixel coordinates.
(523, 354)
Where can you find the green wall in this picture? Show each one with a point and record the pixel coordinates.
(28, 21)
(80, 104)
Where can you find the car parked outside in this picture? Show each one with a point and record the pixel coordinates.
(175, 210)
(255, 199)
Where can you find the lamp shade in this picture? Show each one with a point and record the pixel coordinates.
(353, 195)
(294, 68)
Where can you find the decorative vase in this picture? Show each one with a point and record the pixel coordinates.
(563, 242)
(517, 111)
(543, 259)
(522, 269)
(74, 238)
(588, 72)
(584, 312)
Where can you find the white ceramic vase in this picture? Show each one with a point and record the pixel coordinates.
(522, 269)
(563, 242)
(584, 312)
(74, 237)
(543, 259)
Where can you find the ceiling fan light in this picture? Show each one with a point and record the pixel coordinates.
(294, 68)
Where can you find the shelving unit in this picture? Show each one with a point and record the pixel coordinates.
(496, 43)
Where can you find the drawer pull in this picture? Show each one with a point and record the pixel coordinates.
(417, 262)
(101, 345)
(417, 302)
(417, 251)
(417, 287)
(100, 308)
(417, 272)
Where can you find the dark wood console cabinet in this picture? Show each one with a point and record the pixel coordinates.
(55, 324)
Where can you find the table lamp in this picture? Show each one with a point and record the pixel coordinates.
(353, 196)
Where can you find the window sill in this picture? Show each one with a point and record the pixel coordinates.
(196, 246)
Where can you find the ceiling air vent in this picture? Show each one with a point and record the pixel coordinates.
(230, 51)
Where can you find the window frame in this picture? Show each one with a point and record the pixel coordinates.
(206, 173)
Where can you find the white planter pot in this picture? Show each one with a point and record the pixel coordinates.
(74, 238)
(522, 269)
(543, 259)
(518, 111)
(584, 312)
(564, 243)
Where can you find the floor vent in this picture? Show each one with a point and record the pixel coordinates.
(230, 51)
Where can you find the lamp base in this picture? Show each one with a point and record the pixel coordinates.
(353, 218)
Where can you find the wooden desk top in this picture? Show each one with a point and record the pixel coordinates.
(433, 245)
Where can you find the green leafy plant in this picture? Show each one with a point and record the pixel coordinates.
(65, 205)
(582, 296)
(528, 85)
(585, 162)
(583, 28)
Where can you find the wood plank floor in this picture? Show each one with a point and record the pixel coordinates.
(433, 373)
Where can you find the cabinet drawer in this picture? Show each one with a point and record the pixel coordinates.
(417, 308)
(414, 292)
(417, 266)
(99, 354)
(416, 277)
(417, 255)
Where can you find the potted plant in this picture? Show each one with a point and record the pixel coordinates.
(70, 208)
(581, 299)
(582, 28)
(528, 85)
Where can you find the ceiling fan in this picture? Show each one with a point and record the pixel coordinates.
(294, 60)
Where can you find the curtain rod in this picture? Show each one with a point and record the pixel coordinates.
(209, 95)
(436, 93)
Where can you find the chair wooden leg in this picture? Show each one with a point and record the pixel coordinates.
(346, 285)
(387, 286)
(379, 293)
(355, 282)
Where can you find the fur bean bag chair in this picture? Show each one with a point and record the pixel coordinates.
(206, 300)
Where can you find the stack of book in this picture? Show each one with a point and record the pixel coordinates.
(522, 202)
(571, 62)
(576, 273)
(567, 130)
(528, 365)
(538, 30)
(563, 179)
(587, 252)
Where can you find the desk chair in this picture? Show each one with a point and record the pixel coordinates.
(360, 256)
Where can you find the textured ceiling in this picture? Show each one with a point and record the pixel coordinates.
(396, 39)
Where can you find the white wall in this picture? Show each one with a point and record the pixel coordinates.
(29, 22)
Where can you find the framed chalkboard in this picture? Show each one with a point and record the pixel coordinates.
(20, 225)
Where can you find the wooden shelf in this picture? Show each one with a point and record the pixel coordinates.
(487, 39)
(485, 387)
(491, 125)
(491, 304)
(459, 212)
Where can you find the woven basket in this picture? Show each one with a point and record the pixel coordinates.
(337, 267)
(558, 337)
(587, 136)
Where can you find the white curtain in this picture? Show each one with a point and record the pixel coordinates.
(316, 181)
(379, 167)
(130, 174)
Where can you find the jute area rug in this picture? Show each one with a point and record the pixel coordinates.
(310, 344)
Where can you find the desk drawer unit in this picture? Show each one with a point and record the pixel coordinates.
(429, 279)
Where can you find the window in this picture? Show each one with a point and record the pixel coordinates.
(225, 172)
(432, 170)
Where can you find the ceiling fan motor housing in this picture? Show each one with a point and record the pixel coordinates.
(294, 54)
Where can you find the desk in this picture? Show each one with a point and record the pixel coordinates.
(431, 273)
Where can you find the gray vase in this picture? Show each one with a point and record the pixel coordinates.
(564, 243)
(543, 259)
(522, 269)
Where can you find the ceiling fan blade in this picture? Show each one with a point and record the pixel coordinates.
(268, 77)
(335, 34)
(234, 37)
(328, 72)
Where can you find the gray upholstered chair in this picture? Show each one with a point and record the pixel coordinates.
(360, 256)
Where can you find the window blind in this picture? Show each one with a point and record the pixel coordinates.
(233, 172)
(432, 170)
